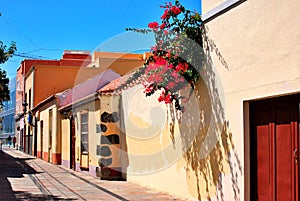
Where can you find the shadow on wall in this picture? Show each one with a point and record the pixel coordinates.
(207, 144)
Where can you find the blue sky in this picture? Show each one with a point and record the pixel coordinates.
(44, 29)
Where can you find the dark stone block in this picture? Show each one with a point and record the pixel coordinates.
(104, 140)
(105, 151)
(103, 128)
(109, 118)
(105, 162)
(110, 139)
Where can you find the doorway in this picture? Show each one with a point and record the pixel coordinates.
(274, 145)
(42, 138)
(50, 137)
(72, 144)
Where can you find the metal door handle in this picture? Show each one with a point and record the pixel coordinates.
(296, 155)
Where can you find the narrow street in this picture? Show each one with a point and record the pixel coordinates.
(23, 177)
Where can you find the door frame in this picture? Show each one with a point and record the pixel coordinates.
(72, 144)
(250, 148)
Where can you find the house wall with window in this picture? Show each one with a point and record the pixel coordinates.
(111, 148)
(90, 131)
(87, 118)
(39, 87)
(48, 132)
(69, 58)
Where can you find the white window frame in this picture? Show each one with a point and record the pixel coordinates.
(84, 133)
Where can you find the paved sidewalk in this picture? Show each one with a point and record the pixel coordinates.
(59, 183)
(15, 183)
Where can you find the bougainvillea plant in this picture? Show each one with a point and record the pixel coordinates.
(176, 57)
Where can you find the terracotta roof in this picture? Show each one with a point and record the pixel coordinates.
(115, 84)
(86, 88)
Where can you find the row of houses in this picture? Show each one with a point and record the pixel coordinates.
(47, 93)
(237, 140)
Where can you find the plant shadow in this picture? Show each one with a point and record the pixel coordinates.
(207, 143)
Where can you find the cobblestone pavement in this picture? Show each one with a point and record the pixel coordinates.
(23, 177)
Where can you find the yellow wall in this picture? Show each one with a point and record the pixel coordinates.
(65, 145)
(259, 42)
(259, 49)
(56, 131)
(175, 152)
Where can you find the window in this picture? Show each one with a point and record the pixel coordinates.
(84, 132)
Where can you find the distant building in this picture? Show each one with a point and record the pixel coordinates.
(69, 59)
(7, 113)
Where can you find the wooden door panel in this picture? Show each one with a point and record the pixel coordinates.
(274, 137)
(283, 151)
(283, 162)
(263, 163)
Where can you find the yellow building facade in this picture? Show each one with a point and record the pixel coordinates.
(48, 130)
(239, 137)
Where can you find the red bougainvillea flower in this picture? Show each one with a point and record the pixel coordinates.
(148, 89)
(153, 25)
(171, 85)
(161, 97)
(161, 61)
(166, 15)
(168, 99)
(175, 74)
(182, 67)
(170, 66)
(176, 10)
(162, 26)
(155, 78)
(165, 70)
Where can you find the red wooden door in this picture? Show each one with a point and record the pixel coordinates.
(274, 145)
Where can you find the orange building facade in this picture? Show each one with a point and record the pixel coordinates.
(69, 58)
(39, 80)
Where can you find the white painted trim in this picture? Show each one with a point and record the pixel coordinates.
(221, 8)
